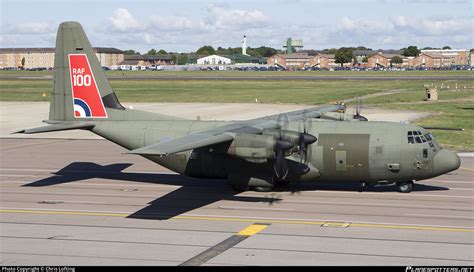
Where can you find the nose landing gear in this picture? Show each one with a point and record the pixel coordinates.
(405, 186)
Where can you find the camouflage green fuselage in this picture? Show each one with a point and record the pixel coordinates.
(344, 151)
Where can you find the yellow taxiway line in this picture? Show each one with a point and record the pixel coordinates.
(256, 227)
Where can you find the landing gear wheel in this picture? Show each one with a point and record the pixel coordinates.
(405, 186)
(262, 189)
(240, 188)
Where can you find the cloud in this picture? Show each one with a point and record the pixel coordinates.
(224, 17)
(170, 23)
(419, 25)
(436, 26)
(29, 28)
(123, 21)
(399, 31)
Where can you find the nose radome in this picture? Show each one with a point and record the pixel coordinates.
(446, 161)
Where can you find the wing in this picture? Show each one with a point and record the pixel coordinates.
(227, 132)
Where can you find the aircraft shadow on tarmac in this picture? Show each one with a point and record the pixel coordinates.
(193, 193)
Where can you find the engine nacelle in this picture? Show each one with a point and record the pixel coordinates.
(253, 148)
(291, 136)
(340, 116)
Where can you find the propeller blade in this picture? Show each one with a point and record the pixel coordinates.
(281, 166)
(305, 140)
(358, 111)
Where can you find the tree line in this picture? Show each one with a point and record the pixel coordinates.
(342, 55)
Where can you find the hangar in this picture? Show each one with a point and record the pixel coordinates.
(29, 58)
(213, 60)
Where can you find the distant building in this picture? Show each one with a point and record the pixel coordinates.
(431, 61)
(214, 60)
(323, 61)
(294, 60)
(361, 54)
(147, 60)
(44, 57)
(304, 60)
(109, 56)
(245, 59)
(381, 60)
(471, 58)
(450, 56)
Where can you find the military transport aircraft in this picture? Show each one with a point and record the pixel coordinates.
(317, 144)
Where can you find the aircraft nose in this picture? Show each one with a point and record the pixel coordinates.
(446, 161)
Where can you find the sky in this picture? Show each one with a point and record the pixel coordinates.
(186, 25)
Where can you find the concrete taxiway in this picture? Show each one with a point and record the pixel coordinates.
(78, 202)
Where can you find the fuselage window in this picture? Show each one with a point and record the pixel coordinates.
(428, 137)
(418, 140)
(410, 133)
(425, 153)
(423, 138)
(411, 140)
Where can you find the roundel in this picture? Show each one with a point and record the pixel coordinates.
(81, 109)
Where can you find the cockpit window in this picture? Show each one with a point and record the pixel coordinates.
(417, 137)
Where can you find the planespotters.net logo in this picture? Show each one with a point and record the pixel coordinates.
(439, 269)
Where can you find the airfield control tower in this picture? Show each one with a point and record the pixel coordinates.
(292, 45)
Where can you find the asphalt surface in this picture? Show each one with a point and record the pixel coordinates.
(261, 77)
(81, 202)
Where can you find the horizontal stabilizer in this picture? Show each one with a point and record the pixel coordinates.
(58, 127)
(182, 144)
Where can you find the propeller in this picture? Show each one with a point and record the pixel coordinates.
(358, 110)
(273, 198)
(305, 140)
(281, 145)
(281, 166)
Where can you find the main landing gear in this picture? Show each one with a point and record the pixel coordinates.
(405, 186)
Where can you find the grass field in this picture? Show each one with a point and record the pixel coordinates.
(455, 108)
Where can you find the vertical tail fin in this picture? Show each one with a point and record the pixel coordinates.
(81, 90)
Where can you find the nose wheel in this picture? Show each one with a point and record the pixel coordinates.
(405, 186)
